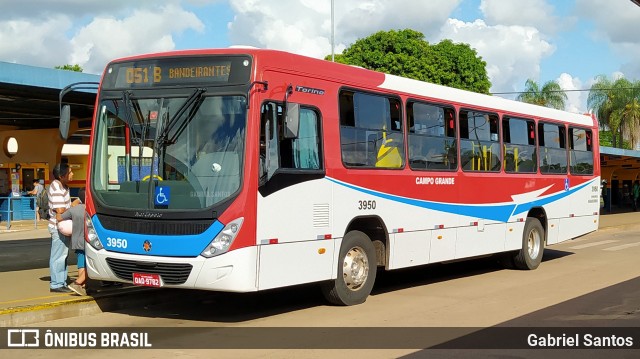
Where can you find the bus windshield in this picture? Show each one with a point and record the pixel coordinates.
(160, 153)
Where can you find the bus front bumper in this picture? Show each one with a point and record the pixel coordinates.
(233, 271)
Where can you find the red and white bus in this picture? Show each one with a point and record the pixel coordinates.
(242, 170)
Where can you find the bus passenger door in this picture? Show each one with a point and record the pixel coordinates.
(294, 201)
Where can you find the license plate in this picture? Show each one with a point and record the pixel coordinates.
(147, 280)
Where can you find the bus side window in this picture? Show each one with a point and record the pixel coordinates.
(371, 130)
(519, 145)
(268, 160)
(581, 154)
(432, 142)
(553, 149)
(479, 142)
(302, 152)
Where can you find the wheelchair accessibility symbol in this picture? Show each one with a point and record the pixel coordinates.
(566, 184)
(163, 196)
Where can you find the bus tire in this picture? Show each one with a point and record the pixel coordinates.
(356, 271)
(530, 256)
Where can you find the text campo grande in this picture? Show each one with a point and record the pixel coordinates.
(96, 340)
(435, 180)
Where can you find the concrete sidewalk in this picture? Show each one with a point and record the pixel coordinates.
(26, 298)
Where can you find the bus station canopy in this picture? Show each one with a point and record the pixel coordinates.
(29, 96)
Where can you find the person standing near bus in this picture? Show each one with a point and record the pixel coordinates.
(35, 192)
(76, 215)
(59, 202)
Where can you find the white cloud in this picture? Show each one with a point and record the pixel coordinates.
(262, 24)
(576, 100)
(35, 44)
(106, 38)
(47, 43)
(512, 53)
(304, 27)
(534, 13)
(513, 37)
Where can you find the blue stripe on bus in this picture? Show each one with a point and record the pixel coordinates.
(169, 246)
(497, 212)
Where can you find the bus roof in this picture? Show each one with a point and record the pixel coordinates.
(444, 93)
(352, 75)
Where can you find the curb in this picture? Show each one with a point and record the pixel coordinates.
(79, 306)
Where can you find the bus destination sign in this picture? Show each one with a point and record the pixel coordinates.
(170, 72)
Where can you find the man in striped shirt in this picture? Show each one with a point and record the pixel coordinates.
(59, 202)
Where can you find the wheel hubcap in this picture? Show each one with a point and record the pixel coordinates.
(355, 268)
(533, 243)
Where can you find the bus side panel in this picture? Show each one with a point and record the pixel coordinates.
(443, 245)
(576, 226)
(288, 264)
(513, 240)
(409, 249)
(301, 212)
(480, 239)
(586, 201)
(578, 212)
(294, 235)
(553, 227)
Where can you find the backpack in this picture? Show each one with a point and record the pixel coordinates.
(42, 201)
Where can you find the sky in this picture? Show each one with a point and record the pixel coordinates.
(569, 41)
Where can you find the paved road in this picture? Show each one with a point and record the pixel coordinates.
(17, 255)
(592, 282)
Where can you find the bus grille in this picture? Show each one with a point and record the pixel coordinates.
(163, 227)
(171, 273)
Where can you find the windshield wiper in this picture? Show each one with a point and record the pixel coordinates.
(128, 119)
(196, 97)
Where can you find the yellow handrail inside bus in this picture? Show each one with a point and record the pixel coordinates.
(515, 156)
(483, 157)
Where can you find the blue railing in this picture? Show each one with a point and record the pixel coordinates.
(18, 209)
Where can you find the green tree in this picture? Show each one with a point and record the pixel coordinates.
(616, 103)
(67, 67)
(405, 53)
(550, 95)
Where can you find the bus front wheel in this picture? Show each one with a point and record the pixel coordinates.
(356, 271)
(530, 256)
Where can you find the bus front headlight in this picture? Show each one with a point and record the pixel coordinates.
(224, 239)
(91, 235)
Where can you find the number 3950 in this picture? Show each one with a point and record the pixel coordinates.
(116, 242)
(363, 205)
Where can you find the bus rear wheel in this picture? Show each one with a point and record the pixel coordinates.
(530, 255)
(356, 271)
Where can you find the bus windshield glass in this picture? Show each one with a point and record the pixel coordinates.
(182, 152)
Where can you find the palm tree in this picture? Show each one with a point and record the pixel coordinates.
(629, 111)
(631, 114)
(550, 95)
(600, 101)
(617, 106)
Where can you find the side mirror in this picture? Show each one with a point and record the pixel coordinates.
(65, 119)
(292, 120)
